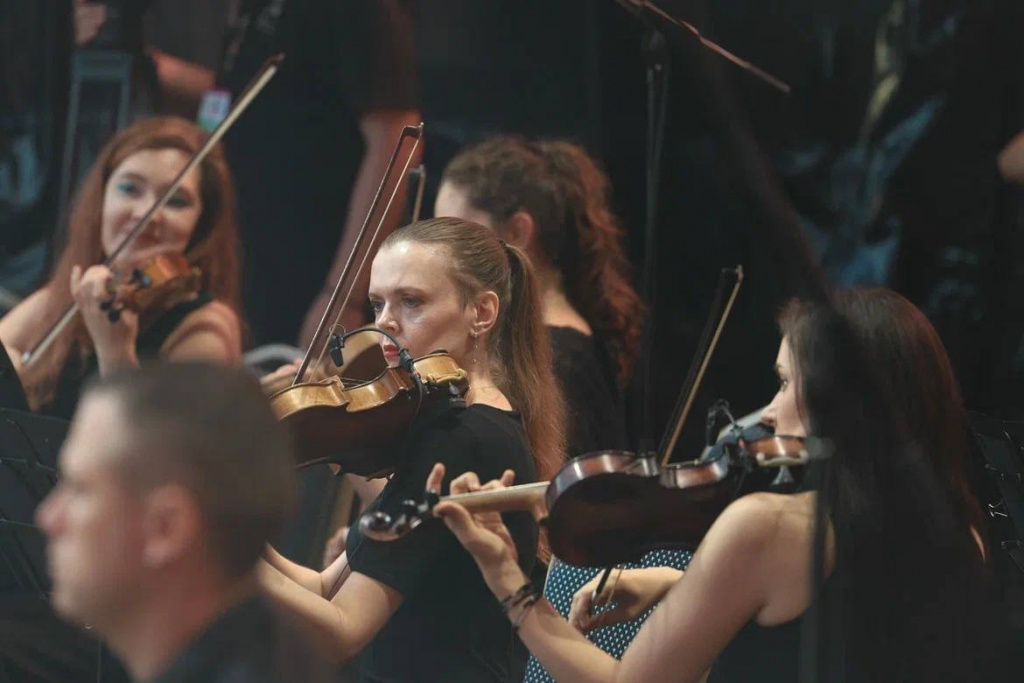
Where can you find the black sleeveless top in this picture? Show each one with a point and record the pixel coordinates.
(771, 654)
(77, 370)
(761, 654)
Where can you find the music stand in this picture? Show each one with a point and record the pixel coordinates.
(29, 445)
(12, 394)
(1001, 443)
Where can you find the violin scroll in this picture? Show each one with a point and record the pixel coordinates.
(380, 526)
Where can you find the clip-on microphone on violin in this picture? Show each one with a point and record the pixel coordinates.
(336, 346)
(717, 411)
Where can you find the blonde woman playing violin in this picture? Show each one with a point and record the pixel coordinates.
(417, 609)
(131, 173)
(905, 593)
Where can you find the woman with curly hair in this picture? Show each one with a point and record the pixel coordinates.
(551, 200)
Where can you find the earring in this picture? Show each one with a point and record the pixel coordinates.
(476, 343)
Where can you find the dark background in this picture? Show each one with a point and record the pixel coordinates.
(882, 158)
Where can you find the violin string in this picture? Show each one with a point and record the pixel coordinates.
(416, 133)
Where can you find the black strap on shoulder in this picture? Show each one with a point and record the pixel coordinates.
(154, 336)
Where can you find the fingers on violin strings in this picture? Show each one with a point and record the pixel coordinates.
(508, 477)
(465, 483)
(493, 484)
(97, 281)
(456, 518)
(435, 477)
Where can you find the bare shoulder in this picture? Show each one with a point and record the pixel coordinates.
(756, 513)
(781, 527)
(747, 528)
(212, 332)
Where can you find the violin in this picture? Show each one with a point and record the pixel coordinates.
(610, 507)
(359, 425)
(153, 286)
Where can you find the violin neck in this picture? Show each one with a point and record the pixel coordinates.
(524, 497)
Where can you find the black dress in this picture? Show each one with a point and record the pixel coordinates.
(449, 627)
(77, 370)
(762, 654)
(595, 412)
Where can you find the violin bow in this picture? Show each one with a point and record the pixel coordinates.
(332, 314)
(709, 341)
(420, 173)
(259, 81)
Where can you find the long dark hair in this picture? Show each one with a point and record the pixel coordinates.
(566, 193)
(520, 350)
(909, 598)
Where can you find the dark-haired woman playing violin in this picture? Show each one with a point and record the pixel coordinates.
(905, 595)
(128, 177)
(417, 609)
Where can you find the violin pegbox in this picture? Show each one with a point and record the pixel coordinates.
(380, 526)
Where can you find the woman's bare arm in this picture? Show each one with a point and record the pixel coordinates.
(343, 625)
(725, 586)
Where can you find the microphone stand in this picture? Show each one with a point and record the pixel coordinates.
(657, 58)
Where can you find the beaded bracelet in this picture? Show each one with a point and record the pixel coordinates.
(527, 604)
(525, 592)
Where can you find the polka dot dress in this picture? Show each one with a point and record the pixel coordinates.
(564, 580)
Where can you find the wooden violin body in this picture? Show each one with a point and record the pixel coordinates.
(610, 507)
(153, 286)
(359, 426)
